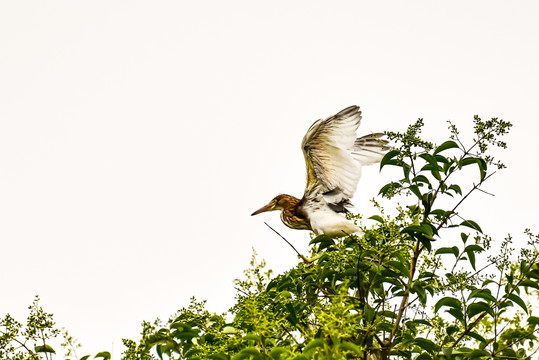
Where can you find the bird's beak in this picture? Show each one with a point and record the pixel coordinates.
(269, 207)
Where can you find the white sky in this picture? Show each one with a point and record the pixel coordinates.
(136, 138)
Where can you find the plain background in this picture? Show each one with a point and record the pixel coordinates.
(137, 137)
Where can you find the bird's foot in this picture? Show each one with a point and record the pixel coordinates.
(309, 261)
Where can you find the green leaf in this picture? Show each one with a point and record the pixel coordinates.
(425, 229)
(530, 283)
(389, 188)
(482, 168)
(276, 352)
(456, 189)
(426, 201)
(471, 224)
(484, 294)
(247, 353)
(534, 320)
(478, 308)
(422, 179)
(523, 266)
(473, 248)
(448, 250)
(415, 190)
(449, 302)
(348, 346)
(418, 287)
(457, 314)
(85, 357)
(292, 315)
(509, 353)
(315, 344)
(533, 274)
(324, 241)
(103, 354)
(252, 337)
(477, 337)
(388, 159)
(431, 161)
(470, 250)
(369, 313)
(406, 170)
(426, 344)
(450, 330)
(320, 239)
(218, 356)
(230, 330)
(442, 159)
(392, 315)
(418, 321)
(400, 267)
(441, 214)
(479, 161)
(447, 352)
(478, 354)
(377, 218)
(467, 161)
(515, 298)
(450, 144)
(44, 349)
(158, 350)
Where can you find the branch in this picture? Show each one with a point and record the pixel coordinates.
(475, 187)
(505, 297)
(404, 301)
(32, 354)
(305, 260)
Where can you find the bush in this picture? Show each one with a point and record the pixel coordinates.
(33, 341)
(410, 288)
(419, 284)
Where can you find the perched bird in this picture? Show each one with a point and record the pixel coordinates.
(334, 158)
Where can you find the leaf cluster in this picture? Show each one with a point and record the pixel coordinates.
(417, 285)
(33, 340)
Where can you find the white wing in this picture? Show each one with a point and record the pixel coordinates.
(334, 156)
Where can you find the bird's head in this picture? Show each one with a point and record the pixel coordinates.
(278, 203)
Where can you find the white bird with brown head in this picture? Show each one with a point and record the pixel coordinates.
(334, 158)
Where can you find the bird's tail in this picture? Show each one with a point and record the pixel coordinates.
(370, 149)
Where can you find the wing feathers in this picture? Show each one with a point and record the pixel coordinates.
(334, 156)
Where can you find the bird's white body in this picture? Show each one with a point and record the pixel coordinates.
(328, 222)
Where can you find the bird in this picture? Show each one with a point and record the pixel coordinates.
(334, 158)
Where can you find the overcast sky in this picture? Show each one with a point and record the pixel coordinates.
(136, 137)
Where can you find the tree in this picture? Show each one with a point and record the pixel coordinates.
(421, 283)
(418, 285)
(33, 341)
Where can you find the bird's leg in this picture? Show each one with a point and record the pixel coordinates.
(309, 261)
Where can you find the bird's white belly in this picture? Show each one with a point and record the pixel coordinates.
(328, 222)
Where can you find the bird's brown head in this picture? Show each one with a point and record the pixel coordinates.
(278, 203)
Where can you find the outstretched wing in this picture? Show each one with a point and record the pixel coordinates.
(334, 156)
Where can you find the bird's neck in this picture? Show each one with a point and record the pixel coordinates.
(292, 215)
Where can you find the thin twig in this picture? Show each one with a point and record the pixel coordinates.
(282, 237)
(305, 260)
(452, 212)
(486, 192)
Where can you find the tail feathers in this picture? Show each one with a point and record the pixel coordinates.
(370, 149)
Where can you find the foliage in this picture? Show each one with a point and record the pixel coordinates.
(33, 341)
(416, 285)
(421, 283)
